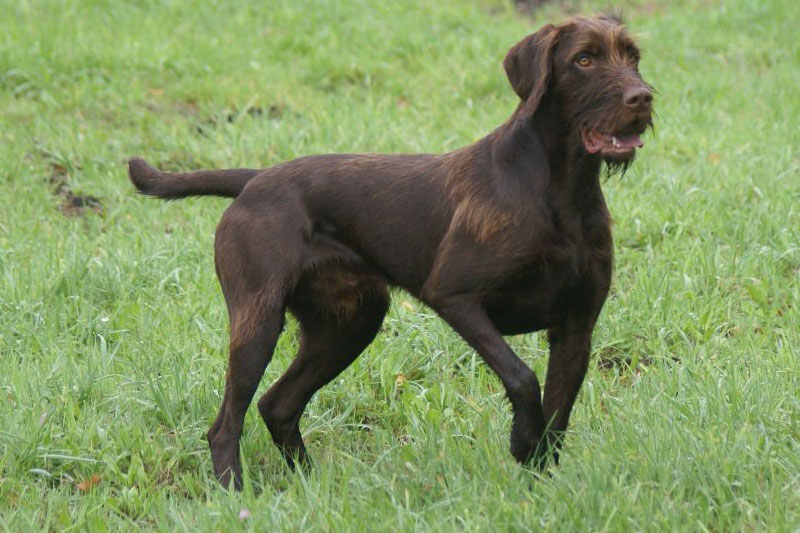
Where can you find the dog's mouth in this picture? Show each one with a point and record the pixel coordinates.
(617, 146)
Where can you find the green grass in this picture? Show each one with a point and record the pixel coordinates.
(113, 331)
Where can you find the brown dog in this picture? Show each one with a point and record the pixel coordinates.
(505, 236)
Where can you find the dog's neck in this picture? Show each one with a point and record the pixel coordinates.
(573, 177)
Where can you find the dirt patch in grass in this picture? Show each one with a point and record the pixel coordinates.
(71, 204)
(271, 112)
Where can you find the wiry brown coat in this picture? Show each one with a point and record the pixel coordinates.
(508, 235)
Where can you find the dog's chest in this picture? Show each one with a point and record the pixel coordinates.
(568, 275)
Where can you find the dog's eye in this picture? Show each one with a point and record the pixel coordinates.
(633, 53)
(584, 60)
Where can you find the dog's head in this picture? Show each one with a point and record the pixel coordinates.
(589, 69)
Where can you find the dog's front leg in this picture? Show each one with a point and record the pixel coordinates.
(468, 318)
(569, 359)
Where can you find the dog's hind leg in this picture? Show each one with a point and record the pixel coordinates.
(250, 352)
(336, 326)
(255, 282)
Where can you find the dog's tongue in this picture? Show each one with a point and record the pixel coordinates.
(629, 141)
(595, 142)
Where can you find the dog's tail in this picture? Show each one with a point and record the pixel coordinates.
(228, 183)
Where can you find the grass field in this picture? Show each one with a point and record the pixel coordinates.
(113, 330)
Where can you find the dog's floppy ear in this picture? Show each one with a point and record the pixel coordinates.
(528, 66)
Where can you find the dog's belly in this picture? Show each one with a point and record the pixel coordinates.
(387, 209)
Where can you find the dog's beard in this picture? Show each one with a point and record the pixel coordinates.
(614, 167)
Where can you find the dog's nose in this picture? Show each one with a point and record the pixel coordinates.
(638, 98)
